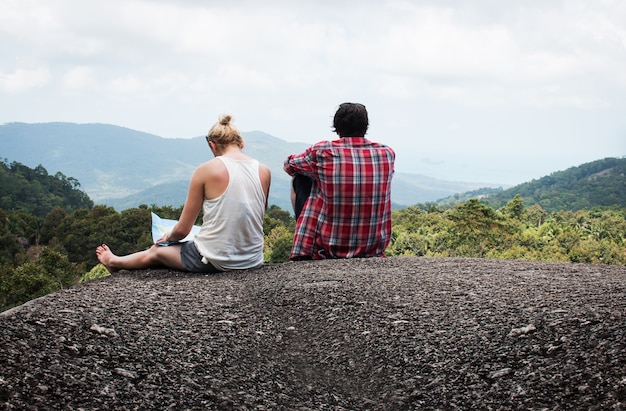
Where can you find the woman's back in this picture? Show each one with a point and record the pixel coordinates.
(231, 236)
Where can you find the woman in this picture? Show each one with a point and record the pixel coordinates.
(232, 191)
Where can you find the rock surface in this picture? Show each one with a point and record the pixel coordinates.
(395, 333)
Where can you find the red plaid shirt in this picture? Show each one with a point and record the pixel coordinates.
(349, 211)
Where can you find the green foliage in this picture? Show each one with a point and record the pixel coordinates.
(478, 230)
(51, 271)
(278, 227)
(469, 230)
(419, 232)
(9, 247)
(514, 208)
(95, 273)
(35, 192)
(534, 215)
(78, 234)
(58, 267)
(275, 217)
(474, 229)
(278, 245)
(24, 283)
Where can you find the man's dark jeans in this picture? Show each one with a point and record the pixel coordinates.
(302, 187)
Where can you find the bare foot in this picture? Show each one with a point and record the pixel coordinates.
(105, 256)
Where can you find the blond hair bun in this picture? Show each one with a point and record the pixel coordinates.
(225, 119)
(224, 133)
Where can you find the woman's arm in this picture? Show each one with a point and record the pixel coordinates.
(191, 209)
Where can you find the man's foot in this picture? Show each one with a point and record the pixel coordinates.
(105, 256)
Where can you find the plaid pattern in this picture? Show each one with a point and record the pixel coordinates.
(349, 211)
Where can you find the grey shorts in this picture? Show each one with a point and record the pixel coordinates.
(192, 259)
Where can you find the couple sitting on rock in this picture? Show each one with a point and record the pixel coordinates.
(341, 196)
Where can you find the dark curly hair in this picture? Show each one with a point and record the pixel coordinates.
(351, 120)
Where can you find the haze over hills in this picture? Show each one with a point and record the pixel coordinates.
(124, 168)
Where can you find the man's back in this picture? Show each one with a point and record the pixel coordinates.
(348, 213)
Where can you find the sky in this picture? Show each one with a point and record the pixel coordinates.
(478, 91)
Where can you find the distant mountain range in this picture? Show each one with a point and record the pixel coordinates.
(124, 168)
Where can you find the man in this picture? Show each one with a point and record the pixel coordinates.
(342, 192)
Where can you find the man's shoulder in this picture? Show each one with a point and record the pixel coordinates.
(350, 142)
(323, 144)
(363, 142)
(381, 146)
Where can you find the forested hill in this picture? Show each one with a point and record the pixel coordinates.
(599, 183)
(35, 192)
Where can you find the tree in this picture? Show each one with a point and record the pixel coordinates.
(9, 247)
(24, 283)
(275, 217)
(35, 192)
(278, 245)
(59, 268)
(534, 216)
(52, 224)
(478, 229)
(514, 208)
(50, 272)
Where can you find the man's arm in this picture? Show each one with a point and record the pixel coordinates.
(302, 163)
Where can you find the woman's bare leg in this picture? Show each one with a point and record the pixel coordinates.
(155, 256)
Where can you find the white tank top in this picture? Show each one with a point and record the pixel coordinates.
(231, 236)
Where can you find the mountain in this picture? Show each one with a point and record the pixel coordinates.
(124, 168)
(598, 183)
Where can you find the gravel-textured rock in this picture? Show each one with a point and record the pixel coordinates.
(394, 333)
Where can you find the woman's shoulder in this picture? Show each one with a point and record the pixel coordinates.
(212, 166)
(217, 161)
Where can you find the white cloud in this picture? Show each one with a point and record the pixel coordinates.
(22, 80)
(506, 58)
(128, 84)
(79, 78)
(398, 86)
(238, 75)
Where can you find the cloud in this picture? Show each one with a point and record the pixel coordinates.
(438, 76)
(409, 49)
(457, 55)
(128, 84)
(238, 75)
(79, 78)
(22, 80)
